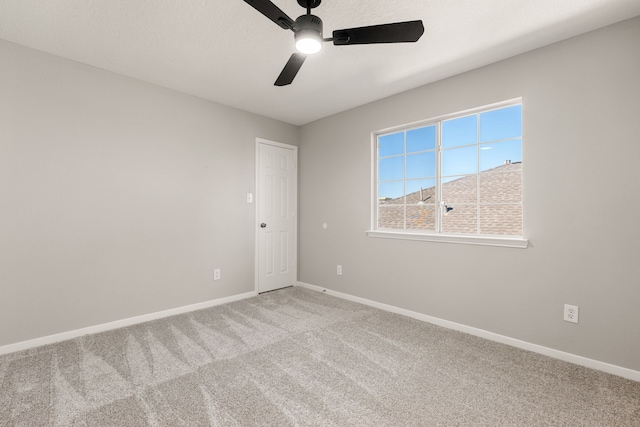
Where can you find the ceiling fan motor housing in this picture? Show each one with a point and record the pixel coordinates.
(308, 24)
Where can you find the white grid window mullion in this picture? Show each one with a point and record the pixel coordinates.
(404, 178)
(478, 174)
(438, 192)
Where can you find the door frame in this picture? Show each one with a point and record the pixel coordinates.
(259, 142)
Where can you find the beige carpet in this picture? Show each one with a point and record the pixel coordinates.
(297, 357)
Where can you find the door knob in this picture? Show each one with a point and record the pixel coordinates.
(263, 225)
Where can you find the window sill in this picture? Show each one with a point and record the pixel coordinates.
(508, 242)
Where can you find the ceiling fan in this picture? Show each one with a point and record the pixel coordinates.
(307, 31)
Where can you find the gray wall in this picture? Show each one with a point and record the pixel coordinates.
(582, 203)
(117, 197)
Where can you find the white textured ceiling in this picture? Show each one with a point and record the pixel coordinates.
(225, 51)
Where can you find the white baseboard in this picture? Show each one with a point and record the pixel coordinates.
(557, 354)
(50, 339)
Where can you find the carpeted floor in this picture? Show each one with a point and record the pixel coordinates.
(298, 357)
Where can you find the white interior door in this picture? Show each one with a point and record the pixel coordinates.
(276, 215)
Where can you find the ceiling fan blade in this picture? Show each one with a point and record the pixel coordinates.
(272, 12)
(290, 70)
(398, 32)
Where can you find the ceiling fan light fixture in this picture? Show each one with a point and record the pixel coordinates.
(308, 34)
(308, 42)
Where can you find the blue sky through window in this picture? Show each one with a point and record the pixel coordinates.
(389, 145)
(461, 131)
(501, 124)
(497, 153)
(470, 144)
(421, 139)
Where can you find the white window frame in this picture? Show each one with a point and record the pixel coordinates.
(431, 236)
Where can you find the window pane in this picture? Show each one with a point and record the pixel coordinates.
(501, 124)
(460, 161)
(503, 187)
(461, 189)
(391, 168)
(500, 153)
(421, 190)
(391, 217)
(388, 145)
(460, 219)
(421, 165)
(462, 131)
(421, 139)
(421, 217)
(503, 220)
(391, 192)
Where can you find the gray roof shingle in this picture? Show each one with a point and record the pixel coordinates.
(499, 211)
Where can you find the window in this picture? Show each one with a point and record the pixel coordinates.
(460, 175)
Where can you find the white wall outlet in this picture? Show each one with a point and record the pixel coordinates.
(249, 197)
(216, 274)
(571, 313)
(339, 270)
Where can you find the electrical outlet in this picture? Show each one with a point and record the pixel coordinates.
(216, 274)
(339, 270)
(571, 313)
